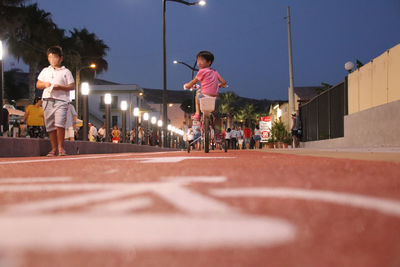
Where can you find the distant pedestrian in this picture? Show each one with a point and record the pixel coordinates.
(34, 119)
(140, 134)
(296, 129)
(57, 81)
(116, 133)
(257, 137)
(92, 135)
(101, 134)
(247, 137)
(71, 123)
(228, 137)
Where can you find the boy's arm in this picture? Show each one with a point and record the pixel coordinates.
(42, 85)
(222, 81)
(190, 84)
(68, 87)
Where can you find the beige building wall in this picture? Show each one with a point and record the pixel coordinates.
(376, 83)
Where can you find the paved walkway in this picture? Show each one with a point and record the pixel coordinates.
(374, 154)
(174, 209)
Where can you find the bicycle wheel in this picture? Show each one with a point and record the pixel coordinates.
(206, 134)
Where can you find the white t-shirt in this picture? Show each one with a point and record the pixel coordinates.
(101, 131)
(60, 76)
(257, 132)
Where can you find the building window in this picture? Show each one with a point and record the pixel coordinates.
(114, 121)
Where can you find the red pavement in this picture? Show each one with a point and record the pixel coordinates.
(241, 208)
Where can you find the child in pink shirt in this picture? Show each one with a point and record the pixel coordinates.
(209, 79)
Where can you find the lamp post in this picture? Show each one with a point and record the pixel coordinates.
(160, 124)
(77, 82)
(201, 3)
(146, 134)
(193, 70)
(2, 88)
(291, 79)
(107, 102)
(124, 107)
(169, 128)
(153, 127)
(136, 114)
(85, 96)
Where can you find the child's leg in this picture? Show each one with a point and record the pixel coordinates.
(53, 140)
(60, 138)
(197, 105)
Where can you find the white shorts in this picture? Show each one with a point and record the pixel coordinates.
(55, 113)
(69, 132)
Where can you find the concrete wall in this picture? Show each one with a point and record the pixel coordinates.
(374, 127)
(376, 83)
(30, 147)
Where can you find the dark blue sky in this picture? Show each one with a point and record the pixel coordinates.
(248, 38)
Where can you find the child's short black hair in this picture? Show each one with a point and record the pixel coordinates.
(57, 50)
(207, 55)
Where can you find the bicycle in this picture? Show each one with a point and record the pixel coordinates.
(207, 106)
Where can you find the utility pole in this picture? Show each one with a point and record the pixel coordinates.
(291, 79)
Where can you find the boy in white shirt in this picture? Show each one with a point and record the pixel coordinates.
(57, 81)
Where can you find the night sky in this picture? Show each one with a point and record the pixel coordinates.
(248, 38)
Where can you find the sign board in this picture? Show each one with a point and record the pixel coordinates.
(265, 127)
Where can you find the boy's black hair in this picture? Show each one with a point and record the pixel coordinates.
(57, 50)
(207, 55)
(37, 98)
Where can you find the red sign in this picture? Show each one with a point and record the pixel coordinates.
(266, 119)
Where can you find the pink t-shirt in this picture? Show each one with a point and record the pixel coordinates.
(208, 80)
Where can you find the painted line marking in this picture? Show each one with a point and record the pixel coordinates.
(123, 206)
(386, 206)
(203, 223)
(78, 157)
(33, 180)
(170, 159)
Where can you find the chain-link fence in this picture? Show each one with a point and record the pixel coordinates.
(323, 116)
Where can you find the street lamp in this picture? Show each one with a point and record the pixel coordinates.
(2, 88)
(85, 96)
(349, 66)
(136, 114)
(153, 126)
(193, 70)
(201, 3)
(124, 107)
(146, 119)
(107, 102)
(77, 82)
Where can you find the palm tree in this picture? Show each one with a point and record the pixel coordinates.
(83, 48)
(10, 16)
(228, 105)
(30, 40)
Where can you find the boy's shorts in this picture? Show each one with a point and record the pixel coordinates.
(55, 113)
